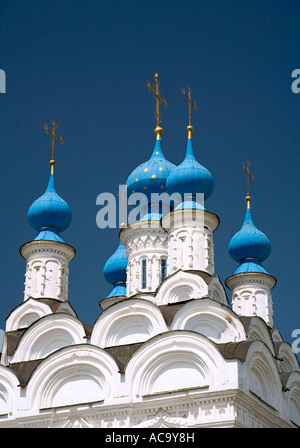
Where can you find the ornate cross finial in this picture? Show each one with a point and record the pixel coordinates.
(54, 136)
(249, 176)
(158, 129)
(191, 103)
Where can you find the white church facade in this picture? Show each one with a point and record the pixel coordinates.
(169, 348)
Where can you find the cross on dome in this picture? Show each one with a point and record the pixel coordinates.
(190, 177)
(159, 99)
(54, 137)
(191, 103)
(249, 246)
(50, 214)
(249, 176)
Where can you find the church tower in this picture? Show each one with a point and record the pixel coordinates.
(190, 225)
(145, 239)
(251, 284)
(48, 256)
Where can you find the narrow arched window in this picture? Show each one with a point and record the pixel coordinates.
(163, 269)
(144, 273)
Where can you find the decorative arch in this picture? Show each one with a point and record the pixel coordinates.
(293, 402)
(174, 361)
(127, 322)
(217, 292)
(73, 375)
(263, 375)
(28, 319)
(181, 286)
(294, 406)
(9, 390)
(48, 334)
(276, 336)
(287, 361)
(210, 318)
(259, 331)
(26, 313)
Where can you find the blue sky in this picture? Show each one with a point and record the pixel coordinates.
(85, 64)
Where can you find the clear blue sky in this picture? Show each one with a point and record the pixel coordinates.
(85, 64)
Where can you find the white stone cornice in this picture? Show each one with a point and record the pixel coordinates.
(250, 278)
(56, 247)
(141, 228)
(190, 218)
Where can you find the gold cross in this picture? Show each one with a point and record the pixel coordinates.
(188, 97)
(249, 176)
(159, 99)
(54, 136)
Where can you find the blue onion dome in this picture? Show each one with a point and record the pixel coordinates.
(190, 177)
(150, 177)
(50, 210)
(49, 214)
(114, 271)
(250, 246)
(115, 267)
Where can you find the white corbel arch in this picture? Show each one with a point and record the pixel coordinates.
(27, 313)
(216, 291)
(127, 322)
(47, 335)
(263, 375)
(9, 390)
(77, 374)
(180, 287)
(210, 318)
(259, 331)
(293, 400)
(174, 361)
(287, 361)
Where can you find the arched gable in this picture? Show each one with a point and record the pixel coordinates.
(48, 334)
(174, 361)
(26, 313)
(210, 318)
(292, 388)
(263, 375)
(127, 322)
(9, 390)
(276, 336)
(217, 291)
(259, 331)
(32, 310)
(77, 374)
(180, 287)
(287, 360)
